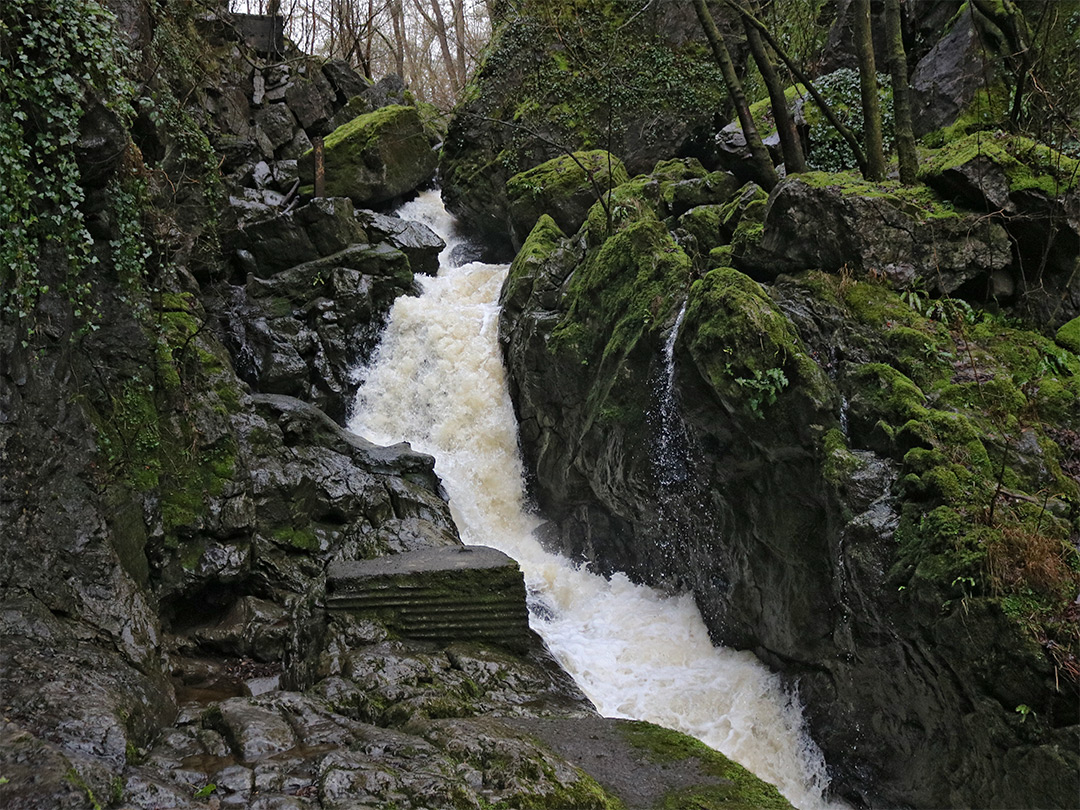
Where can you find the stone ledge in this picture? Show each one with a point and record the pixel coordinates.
(440, 595)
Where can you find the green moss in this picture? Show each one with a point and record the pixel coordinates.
(741, 790)
(840, 462)
(1068, 336)
(539, 245)
(893, 393)
(703, 223)
(566, 174)
(746, 348)
(989, 109)
(623, 288)
(303, 539)
(1026, 164)
(918, 201)
(720, 257)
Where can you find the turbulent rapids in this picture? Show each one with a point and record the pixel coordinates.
(437, 381)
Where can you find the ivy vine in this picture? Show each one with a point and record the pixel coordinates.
(56, 56)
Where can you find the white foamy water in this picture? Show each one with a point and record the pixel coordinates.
(437, 381)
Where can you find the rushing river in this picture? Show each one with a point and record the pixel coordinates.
(437, 381)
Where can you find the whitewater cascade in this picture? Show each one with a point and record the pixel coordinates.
(437, 381)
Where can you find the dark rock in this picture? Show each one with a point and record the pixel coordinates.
(786, 395)
(303, 330)
(415, 239)
(710, 189)
(870, 233)
(230, 108)
(102, 144)
(389, 90)
(311, 99)
(945, 81)
(652, 121)
(276, 125)
(1028, 190)
(346, 81)
(324, 226)
(564, 188)
(300, 144)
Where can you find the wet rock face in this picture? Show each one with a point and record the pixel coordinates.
(785, 468)
(320, 281)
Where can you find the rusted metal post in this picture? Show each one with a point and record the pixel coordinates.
(320, 168)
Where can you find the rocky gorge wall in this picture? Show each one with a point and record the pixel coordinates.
(872, 488)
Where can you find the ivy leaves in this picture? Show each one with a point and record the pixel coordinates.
(54, 55)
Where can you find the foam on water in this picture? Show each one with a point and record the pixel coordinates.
(437, 381)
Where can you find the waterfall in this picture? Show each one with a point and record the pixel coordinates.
(437, 381)
(671, 458)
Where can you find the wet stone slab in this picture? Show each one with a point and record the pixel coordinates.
(440, 594)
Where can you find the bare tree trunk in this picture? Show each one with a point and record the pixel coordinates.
(871, 105)
(365, 55)
(396, 19)
(905, 133)
(459, 32)
(759, 155)
(794, 161)
(438, 25)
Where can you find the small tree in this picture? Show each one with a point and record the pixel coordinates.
(759, 154)
(904, 130)
(871, 105)
(794, 161)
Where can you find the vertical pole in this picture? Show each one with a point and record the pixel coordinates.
(320, 168)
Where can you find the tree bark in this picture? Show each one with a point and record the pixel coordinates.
(790, 145)
(871, 105)
(759, 155)
(1010, 20)
(905, 133)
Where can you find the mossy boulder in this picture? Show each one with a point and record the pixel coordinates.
(376, 157)
(1032, 191)
(1069, 335)
(925, 447)
(829, 222)
(743, 345)
(565, 188)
